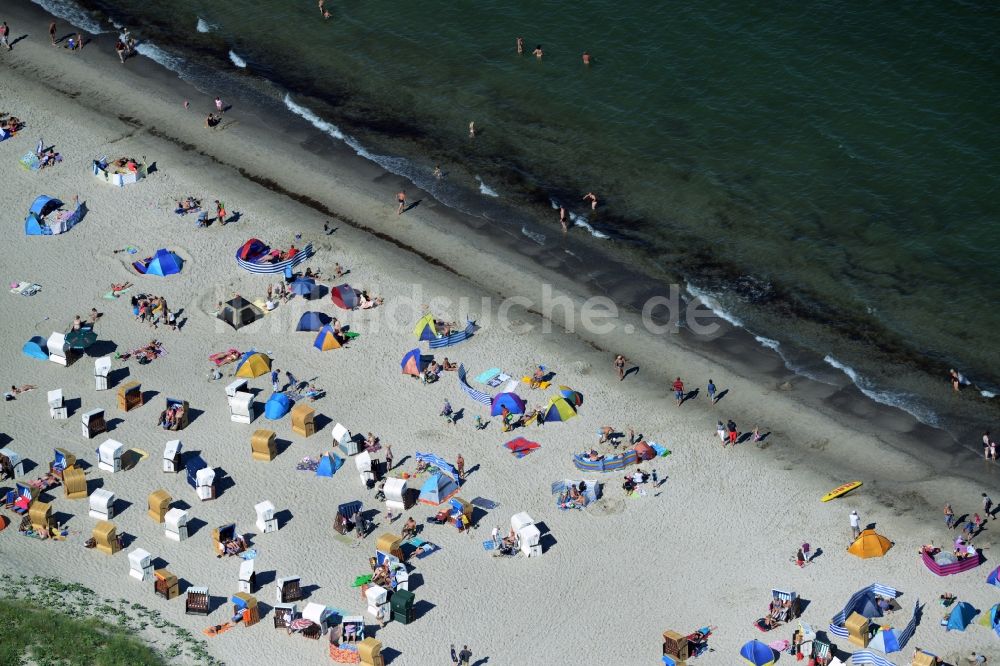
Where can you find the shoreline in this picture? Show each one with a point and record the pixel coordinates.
(892, 370)
(628, 288)
(821, 434)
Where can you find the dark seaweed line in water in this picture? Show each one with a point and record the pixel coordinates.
(695, 262)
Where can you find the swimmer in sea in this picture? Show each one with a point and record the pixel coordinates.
(520, 45)
(586, 58)
(472, 129)
(592, 198)
(562, 219)
(538, 52)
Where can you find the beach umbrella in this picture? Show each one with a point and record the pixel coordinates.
(558, 410)
(304, 287)
(574, 398)
(511, 401)
(81, 338)
(756, 653)
(312, 321)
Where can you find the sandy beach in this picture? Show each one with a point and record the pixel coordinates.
(705, 548)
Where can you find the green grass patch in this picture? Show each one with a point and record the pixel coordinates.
(47, 637)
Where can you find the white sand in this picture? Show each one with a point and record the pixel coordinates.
(706, 549)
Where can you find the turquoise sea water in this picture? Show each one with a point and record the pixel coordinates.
(828, 171)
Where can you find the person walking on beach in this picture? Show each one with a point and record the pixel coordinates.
(388, 457)
(986, 445)
(520, 45)
(220, 212)
(949, 516)
(5, 35)
(562, 218)
(218, 104)
(956, 380)
(620, 367)
(987, 505)
(464, 656)
(401, 200)
(592, 198)
(460, 466)
(274, 379)
(678, 387)
(720, 431)
(733, 432)
(52, 32)
(711, 391)
(855, 524)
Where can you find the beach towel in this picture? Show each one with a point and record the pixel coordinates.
(30, 162)
(218, 629)
(112, 295)
(350, 335)
(362, 580)
(661, 450)
(541, 385)
(25, 288)
(511, 386)
(485, 504)
(249, 554)
(489, 545)
(485, 377)
(498, 380)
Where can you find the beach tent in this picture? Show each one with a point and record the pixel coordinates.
(305, 287)
(991, 619)
(992, 579)
(164, 263)
(574, 398)
(253, 364)
(326, 339)
(437, 489)
(35, 348)
(312, 321)
(886, 640)
(411, 363)
(328, 465)
(36, 223)
(277, 406)
(344, 297)
(558, 410)
(239, 312)
(511, 401)
(425, 329)
(870, 544)
(961, 616)
(756, 653)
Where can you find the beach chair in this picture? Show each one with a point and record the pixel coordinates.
(197, 601)
(57, 407)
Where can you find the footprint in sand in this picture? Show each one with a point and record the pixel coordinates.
(606, 507)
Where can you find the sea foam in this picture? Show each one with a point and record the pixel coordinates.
(899, 400)
(486, 189)
(237, 60)
(204, 26)
(73, 13)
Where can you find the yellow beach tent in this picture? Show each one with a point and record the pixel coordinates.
(425, 329)
(870, 544)
(254, 365)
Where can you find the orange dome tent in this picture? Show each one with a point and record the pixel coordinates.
(870, 544)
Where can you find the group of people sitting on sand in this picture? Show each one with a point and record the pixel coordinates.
(634, 480)
(153, 310)
(145, 354)
(510, 420)
(172, 417)
(963, 549)
(276, 256)
(10, 124)
(233, 546)
(188, 205)
(49, 158)
(574, 496)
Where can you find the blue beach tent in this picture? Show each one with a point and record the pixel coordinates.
(992, 579)
(164, 263)
(511, 401)
(886, 640)
(277, 406)
(304, 287)
(312, 321)
(36, 348)
(328, 465)
(438, 489)
(961, 616)
(756, 653)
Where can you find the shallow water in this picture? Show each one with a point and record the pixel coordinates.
(828, 173)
